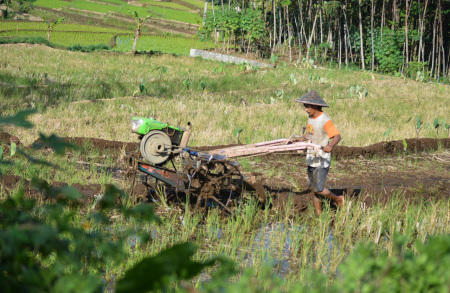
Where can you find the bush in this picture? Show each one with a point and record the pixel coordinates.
(368, 270)
(89, 48)
(27, 40)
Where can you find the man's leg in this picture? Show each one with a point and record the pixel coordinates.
(317, 204)
(339, 200)
(320, 176)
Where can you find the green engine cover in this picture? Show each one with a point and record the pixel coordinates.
(148, 124)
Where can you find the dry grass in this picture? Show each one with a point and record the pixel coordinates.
(232, 100)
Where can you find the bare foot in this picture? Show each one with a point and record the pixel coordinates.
(341, 201)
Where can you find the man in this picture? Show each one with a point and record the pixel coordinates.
(320, 129)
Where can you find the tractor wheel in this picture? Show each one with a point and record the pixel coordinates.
(156, 147)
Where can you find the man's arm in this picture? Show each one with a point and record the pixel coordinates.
(334, 141)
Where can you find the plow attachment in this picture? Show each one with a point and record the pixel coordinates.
(273, 146)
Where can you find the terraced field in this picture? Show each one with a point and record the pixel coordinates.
(124, 8)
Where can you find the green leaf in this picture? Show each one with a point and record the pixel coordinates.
(13, 148)
(78, 283)
(419, 122)
(157, 272)
(186, 83)
(70, 193)
(142, 85)
(1, 153)
(58, 21)
(436, 123)
(20, 119)
(273, 58)
(202, 85)
(405, 145)
(142, 211)
(237, 131)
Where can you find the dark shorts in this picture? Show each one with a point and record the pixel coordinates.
(317, 177)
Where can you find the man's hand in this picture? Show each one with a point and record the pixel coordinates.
(299, 139)
(327, 148)
(334, 141)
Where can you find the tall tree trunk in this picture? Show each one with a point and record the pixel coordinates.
(434, 44)
(311, 35)
(395, 14)
(382, 22)
(280, 25)
(340, 45)
(289, 34)
(300, 12)
(372, 12)
(274, 25)
(215, 30)
(406, 34)
(448, 62)
(421, 43)
(441, 44)
(361, 36)
(329, 41)
(344, 8)
(320, 16)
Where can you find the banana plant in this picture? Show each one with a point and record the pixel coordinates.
(51, 25)
(139, 22)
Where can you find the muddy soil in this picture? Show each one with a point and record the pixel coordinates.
(414, 178)
(372, 173)
(10, 184)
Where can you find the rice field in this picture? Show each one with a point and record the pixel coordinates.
(124, 8)
(70, 35)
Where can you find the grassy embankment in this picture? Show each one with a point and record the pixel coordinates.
(91, 95)
(55, 82)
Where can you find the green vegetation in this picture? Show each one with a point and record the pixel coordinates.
(229, 98)
(163, 44)
(6, 25)
(70, 35)
(111, 241)
(389, 37)
(65, 38)
(102, 7)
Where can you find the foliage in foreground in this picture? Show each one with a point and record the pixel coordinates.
(44, 248)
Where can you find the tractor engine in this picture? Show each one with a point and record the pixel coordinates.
(159, 141)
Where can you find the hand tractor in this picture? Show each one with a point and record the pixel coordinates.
(205, 175)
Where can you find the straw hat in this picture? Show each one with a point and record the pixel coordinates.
(312, 98)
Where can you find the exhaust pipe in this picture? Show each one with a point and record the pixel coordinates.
(186, 136)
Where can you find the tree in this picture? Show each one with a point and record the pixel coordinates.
(137, 34)
(7, 4)
(361, 35)
(25, 5)
(50, 25)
